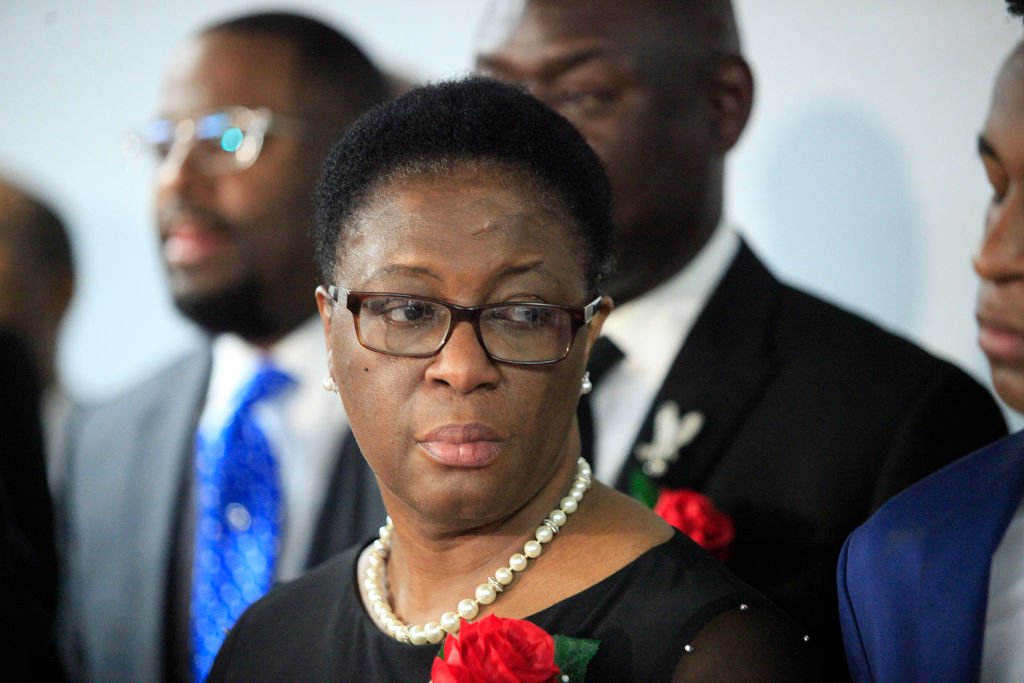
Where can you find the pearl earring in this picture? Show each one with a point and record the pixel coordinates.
(329, 384)
(586, 386)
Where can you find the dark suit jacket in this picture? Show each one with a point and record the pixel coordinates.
(129, 517)
(813, 418)
(913, 580)
(28, 555)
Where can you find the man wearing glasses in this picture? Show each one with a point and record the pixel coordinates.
(190, 495)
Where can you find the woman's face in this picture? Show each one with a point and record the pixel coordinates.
(458, 436)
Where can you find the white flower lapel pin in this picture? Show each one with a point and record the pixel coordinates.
(671, 433)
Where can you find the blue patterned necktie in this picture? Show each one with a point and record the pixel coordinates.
(238, 498)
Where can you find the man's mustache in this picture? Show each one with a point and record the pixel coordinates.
(179, 212)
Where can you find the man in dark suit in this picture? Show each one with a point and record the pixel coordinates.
(796, 418)
(237, 443)
(930, 586)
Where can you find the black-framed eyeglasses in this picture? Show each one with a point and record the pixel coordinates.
(523, 333)
(220, 140)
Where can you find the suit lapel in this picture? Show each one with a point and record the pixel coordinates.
(130, 503)
(171, 452)
(171, 503)
(957, 555)
(723, 364)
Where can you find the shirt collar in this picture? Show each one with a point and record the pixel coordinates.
(301, 354)
(664, 315)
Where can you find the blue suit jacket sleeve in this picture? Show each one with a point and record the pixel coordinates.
(913, 579)
(853, 641)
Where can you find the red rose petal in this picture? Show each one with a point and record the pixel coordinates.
(497, 650)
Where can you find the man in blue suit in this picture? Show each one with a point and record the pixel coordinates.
(931, 588)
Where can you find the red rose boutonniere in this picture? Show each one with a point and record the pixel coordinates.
(498, 650)
(696, 516)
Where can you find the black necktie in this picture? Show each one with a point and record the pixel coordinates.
(603, 356)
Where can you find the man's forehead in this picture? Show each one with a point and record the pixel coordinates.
(1006, 108)
(1011, 74)
(535, 24)
(556, 35)
(553, 38)
(221, 69)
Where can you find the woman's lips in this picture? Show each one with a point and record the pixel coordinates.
(467, 445)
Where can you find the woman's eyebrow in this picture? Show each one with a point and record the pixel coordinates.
(520, 269)
(536, 265)
(403, 269)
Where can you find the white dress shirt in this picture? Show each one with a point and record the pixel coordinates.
(1002, 656)
(304, 426)
(650, 331)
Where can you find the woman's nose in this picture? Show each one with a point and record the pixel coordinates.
(463, 364)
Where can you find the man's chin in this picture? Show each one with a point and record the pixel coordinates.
(237, 310)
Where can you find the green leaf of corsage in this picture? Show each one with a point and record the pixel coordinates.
(572, 655)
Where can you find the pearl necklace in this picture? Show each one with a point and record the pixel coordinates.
(485, 594)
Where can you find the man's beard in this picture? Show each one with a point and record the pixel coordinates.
(237, 309)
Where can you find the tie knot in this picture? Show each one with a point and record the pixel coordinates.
(268, 381)
(603, 355)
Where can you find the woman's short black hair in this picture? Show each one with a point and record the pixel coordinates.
(475, 119)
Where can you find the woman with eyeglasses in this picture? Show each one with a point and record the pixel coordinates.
(463, 233)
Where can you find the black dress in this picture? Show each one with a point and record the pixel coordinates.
(644, 615)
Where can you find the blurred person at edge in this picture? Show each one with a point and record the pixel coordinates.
(37, 281)
(796, 418)
(28, 554)
(222, 469)
(932, 586)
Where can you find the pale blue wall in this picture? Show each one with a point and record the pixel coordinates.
(857, 176)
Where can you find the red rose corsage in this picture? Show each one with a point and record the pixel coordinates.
(696, 516)
(499, 650)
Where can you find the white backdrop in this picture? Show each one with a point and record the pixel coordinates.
(857, 177)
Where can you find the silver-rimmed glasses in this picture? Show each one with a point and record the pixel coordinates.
(524, 333)
(220, 140)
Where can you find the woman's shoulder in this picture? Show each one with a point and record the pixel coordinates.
(622, 546)
(673, 605)
(329, 579)
(290, 624)
(675, 577)
(753, 642)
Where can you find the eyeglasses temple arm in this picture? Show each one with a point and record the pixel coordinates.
(591, 309)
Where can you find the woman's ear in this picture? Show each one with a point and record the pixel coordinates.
(325, 306)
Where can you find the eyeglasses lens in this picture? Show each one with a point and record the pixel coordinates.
(220, 141)
(402, 326)
(526, 333)
(413, 327)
